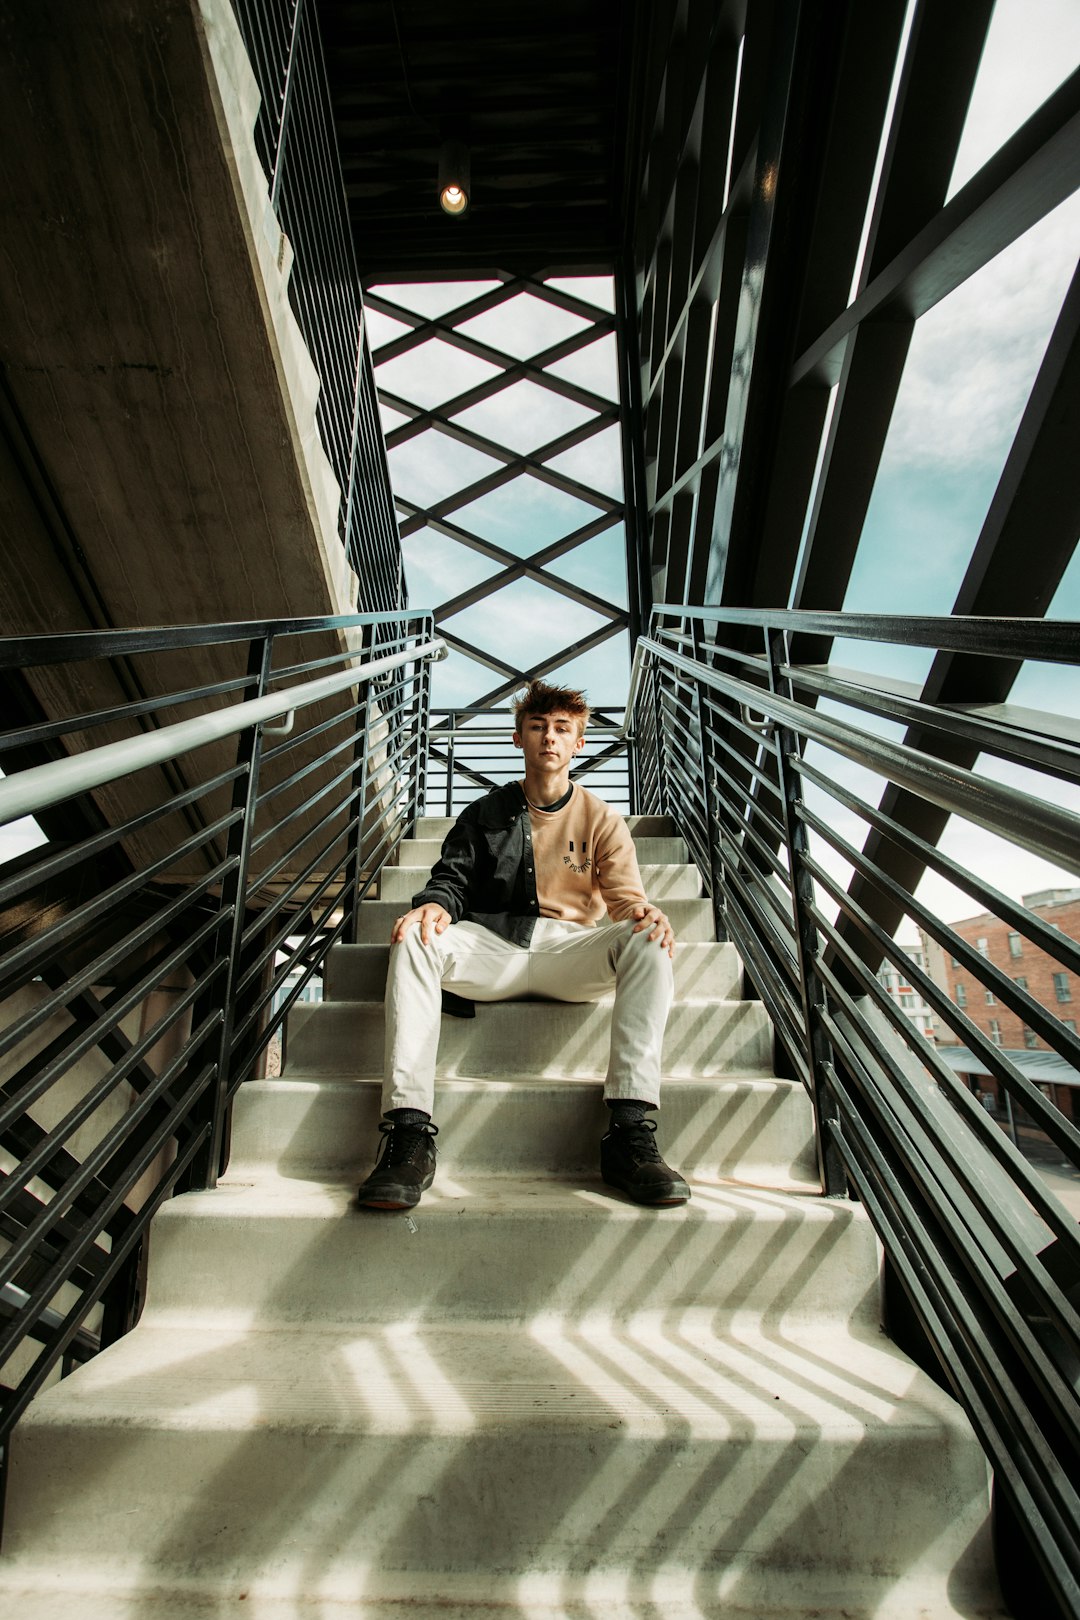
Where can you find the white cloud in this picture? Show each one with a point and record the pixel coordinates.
(975, 355)
(1031, 47)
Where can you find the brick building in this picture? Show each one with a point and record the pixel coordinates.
(1044, 978)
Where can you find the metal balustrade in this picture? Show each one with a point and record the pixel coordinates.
(752, 751)
(205, 847)
(472, 750)
(295, 139)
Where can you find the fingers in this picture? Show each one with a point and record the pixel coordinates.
(433, 919)
(660, 931)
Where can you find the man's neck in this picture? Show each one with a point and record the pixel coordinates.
(546, 787)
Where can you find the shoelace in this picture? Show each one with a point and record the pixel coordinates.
(403, 1142)
(640, 1138)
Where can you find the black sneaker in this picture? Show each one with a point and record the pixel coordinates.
(405, 1169)
(630, 1160)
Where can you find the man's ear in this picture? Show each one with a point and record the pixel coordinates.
(579, 745)
(517, 739)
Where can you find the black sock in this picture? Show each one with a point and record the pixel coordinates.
(628, 1110)
(408, 1116)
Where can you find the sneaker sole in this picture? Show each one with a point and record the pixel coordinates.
(663, 1201)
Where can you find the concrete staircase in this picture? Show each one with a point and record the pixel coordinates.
(529, 1398)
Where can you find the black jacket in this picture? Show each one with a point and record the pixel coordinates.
(485, 873)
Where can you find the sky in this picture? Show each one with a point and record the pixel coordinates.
(971, 365)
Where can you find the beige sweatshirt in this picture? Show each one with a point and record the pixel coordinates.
(586, 864)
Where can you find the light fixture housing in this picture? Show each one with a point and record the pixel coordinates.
(455, 179)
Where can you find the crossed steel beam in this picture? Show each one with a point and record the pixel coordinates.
(513, 464)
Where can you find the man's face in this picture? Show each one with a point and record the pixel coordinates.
(549, 741)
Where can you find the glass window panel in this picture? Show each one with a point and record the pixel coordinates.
(599, 290)
(524, 515)
(432, 373)
(598, 566)
(430, 467)
(958, 406)
(524, 416)
(596, 463)
(381, 328)
(438, 568)
(595, 367)
(434, 298)
(1031, 47)
(523, 326)
(524, 623)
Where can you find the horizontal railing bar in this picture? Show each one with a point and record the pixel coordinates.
(42, 785)
(1025, 1091)
(959, 1343)
(289, 927)
(1024, 820)
(20, 960)
(1012, 1162)
(99, 1156)
(918, 1160)
(21, 652)
(31, 1383)
(268, 794)
(51, 866)
(20, 1098)
(1049, 939)
(1056, 756)
(49, 731)
(1051, 641)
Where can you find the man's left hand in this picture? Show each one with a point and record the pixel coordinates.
(660, 930)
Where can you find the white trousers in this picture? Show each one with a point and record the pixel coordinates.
(564, 962)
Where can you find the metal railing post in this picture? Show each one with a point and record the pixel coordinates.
(710, 821)
(207, 1165)
(818, 1050)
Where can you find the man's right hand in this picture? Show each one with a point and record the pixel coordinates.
(433, 919)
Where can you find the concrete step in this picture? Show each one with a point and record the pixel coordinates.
(692, 920)
(661, 883)
(532, 1039)
(714, 1460)
(358, 972)
(502, 1248)
(650, 851)
(759, 1132)
(640, 826)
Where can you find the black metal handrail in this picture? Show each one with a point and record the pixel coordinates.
(471, 750)
(154, 943)
(297, 144)
(751, 751)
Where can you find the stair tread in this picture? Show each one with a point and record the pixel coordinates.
(691, 1372)
(511, 1196)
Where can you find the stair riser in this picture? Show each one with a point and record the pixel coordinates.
(692, 920)
(456, 1262)
(650, 851)
(661, 883)
(759, 1131)
(507, 1040)
(540, 1498)
(358, 972)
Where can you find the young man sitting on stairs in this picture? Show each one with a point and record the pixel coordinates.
(515, 907)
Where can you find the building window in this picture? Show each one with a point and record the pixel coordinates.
(1070, 1023)
(1030, 1037)
(961, 995)
(1020, 982)
(955, 961)
(983, 947)
(1061, 987)
(990, 998)
(1016, 947)
(995, 1032)
(907, 1001)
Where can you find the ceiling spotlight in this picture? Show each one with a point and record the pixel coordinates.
(454, 177)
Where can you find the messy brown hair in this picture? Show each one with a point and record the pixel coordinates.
(540, 698)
